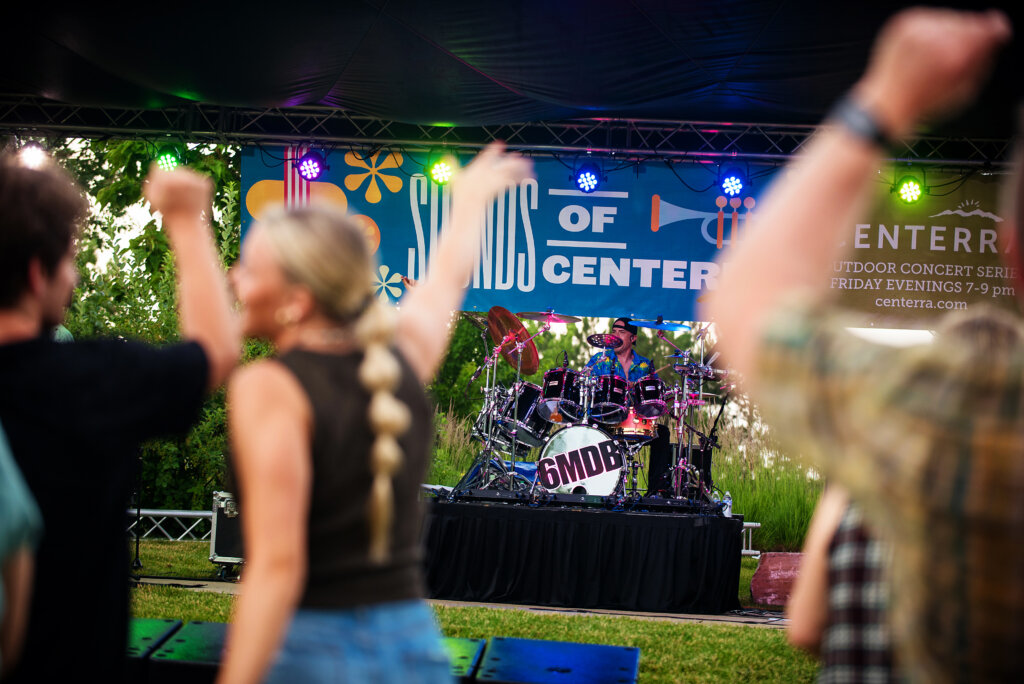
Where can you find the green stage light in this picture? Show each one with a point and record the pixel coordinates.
(167, 161)
(441, 171)
(909, 189)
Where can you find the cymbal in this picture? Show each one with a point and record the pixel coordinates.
(661, 325)
(477, 318)
(604, 341)
(508, 331)
(548, 316)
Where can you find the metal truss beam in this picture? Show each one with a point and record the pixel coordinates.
(624, 139)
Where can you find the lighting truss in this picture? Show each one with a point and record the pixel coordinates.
(621, 139)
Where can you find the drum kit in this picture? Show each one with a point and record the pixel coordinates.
(588, 427)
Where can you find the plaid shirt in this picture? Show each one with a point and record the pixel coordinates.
(929, 440)
(607, 363)
(856, 645)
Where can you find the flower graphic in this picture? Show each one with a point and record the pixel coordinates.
(384, 283)
(374, 171)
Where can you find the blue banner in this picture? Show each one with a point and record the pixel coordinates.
(644, 244)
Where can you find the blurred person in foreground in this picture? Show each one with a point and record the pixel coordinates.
(839, 606)
(331, 441)
(929, 440)
(19, 534)
(75, 414)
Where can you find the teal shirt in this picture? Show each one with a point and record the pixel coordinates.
(20, 523)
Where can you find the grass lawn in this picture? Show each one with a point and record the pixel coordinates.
(670, 651)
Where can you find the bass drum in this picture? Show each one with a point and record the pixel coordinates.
(580, 460)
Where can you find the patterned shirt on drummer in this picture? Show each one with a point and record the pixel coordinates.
(607, 363)
(929, 440)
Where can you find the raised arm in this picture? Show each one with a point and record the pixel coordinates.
(925, 62)
(183, 199)
(423, 329)
(270, 423)
(807, 608)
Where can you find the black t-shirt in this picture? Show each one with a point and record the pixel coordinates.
(75, 415)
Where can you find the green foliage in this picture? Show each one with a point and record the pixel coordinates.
(127, 290)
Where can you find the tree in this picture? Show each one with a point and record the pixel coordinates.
(127, 290)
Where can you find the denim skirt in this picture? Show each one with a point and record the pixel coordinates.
(389, 642)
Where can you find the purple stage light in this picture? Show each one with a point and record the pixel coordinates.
(311, 165)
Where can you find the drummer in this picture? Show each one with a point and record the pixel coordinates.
(626, 363)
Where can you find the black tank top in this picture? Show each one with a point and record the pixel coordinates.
(340, 572)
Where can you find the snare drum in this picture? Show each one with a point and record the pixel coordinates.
(561, 396)
(580, 460)
(636, 428)
(610, 399)
(519, 412)
(646, 396)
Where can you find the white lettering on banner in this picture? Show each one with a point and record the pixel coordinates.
(646, 267)
(619, 272)
(574, 218)
(931, 238)
(603, 216)
(673, 275)
(500, 264)
(527, 272)
(559, 276)
(558, 269)
(583, 270)
(504, 260)
(417, 267)
(704, 273)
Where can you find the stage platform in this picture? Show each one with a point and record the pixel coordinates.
(586, 558)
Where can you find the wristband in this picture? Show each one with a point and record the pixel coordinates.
(856, 119)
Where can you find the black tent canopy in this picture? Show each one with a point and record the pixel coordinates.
(408, 69)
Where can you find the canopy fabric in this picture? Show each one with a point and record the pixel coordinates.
(469, 62)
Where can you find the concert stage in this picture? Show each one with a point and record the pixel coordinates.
(582, 557)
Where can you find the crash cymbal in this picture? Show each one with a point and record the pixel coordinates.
(548, 316)
(508, 331)
(661, 325)
(604, 341)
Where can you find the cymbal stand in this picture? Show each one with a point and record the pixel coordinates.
(520, 346)
(490, 469)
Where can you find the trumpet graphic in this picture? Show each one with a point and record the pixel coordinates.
(664, 213)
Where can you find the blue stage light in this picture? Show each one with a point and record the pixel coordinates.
(588, 177)
(733, 181)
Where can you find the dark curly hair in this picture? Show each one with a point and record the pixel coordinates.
(40, 210)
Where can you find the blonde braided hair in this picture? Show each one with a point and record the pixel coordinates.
(326, 252)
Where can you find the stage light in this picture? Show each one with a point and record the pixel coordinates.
(909, 189)
(32, 156)
(168, 160)
(441, 171)
(588, 176)
(733, 181)
(311, 165)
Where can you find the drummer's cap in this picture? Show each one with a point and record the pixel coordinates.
(625, 323)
